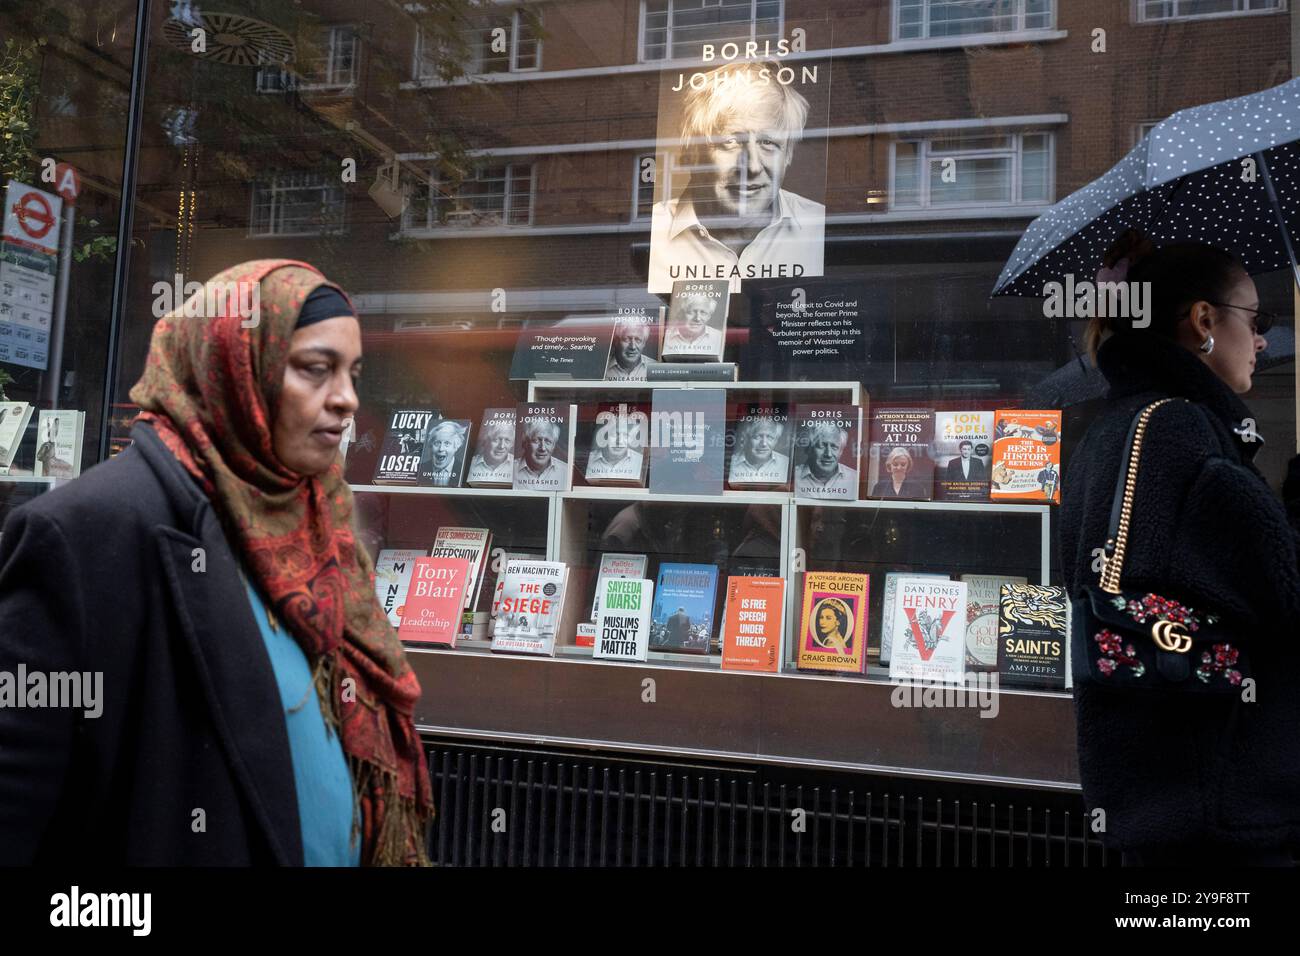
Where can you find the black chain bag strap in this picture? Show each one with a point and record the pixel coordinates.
(1142, 640)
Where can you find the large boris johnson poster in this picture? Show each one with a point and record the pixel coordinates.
(740, 166)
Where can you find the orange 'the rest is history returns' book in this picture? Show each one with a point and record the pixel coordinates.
(1026, 456)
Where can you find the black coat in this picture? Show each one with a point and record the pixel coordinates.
(1207, 529)
(99, 575)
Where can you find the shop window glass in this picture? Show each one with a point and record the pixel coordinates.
(973, 169)
(296, 204)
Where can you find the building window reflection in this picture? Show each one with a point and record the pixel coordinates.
(675, 28)
(297, 204)
(330, 65)
(488, 196)
(972, 169)
(926, 19)
(1159, 10)
(505, 42)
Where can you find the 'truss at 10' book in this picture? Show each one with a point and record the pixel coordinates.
(833, 625)
(963, 455)
(684, 602)
(1032, 643)
(1026, 456)
(399, 461)
(899, 464)
(759, 439)
(827, 451)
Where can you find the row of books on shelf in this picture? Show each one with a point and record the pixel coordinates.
(58, 436)
(691, 442)
(932, 628)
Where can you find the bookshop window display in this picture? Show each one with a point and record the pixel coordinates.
(759, 436)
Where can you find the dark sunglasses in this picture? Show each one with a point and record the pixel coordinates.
(1263, 320)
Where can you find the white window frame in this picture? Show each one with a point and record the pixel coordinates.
(1020, 28)
(668, 43)
(1139, 13)
(924, 157)
(276, 184)
(418, 75)
(289, 81)
(428, 227)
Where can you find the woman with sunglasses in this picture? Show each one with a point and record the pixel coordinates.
(1191, 779)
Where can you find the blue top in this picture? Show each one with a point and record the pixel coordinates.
(320, 771)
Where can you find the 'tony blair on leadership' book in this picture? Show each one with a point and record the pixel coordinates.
(433, 604)
(399, 460)
(684, 603)
(929, 631)
(833, 624)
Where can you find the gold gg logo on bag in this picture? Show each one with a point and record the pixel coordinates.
(1170, 636)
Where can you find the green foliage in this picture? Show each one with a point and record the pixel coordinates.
(19, 70)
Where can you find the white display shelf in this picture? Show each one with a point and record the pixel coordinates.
(600, 493)
(452, 492)
(534, 387)
(32, 479)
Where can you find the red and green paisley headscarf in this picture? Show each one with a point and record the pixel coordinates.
(210, 390)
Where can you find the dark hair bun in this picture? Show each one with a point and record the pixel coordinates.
(1132, 244)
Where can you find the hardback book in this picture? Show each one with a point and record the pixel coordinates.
(528, 605)
(635, 350)
(697, 320)
(1026, 456)
(616, 449)
(685, 598)
(616, 566)
(58, 443)
(929, 631)
(963, 455)
(759, 441)
(1032, 629)
(623, 626)
(983, 605)
(887, 607)
(399, 460)
(544, 446)
(392, 577)
(14, 417)
(442, 453)
(478, 623)
(833, 624)
(827, 450)
(688, 440)
(493, 462)
(472, 544)
(755, 613)
(899, 464)
(434, 601)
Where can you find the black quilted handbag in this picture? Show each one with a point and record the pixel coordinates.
(1142, 640)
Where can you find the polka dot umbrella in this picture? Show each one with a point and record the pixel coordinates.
(1226, 173)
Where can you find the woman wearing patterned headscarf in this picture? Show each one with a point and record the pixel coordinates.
(244, 697)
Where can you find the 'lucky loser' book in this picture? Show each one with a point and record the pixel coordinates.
(399, 461)
(929, 631)
(833, 625)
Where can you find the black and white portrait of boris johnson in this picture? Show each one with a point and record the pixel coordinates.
(740, 174)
